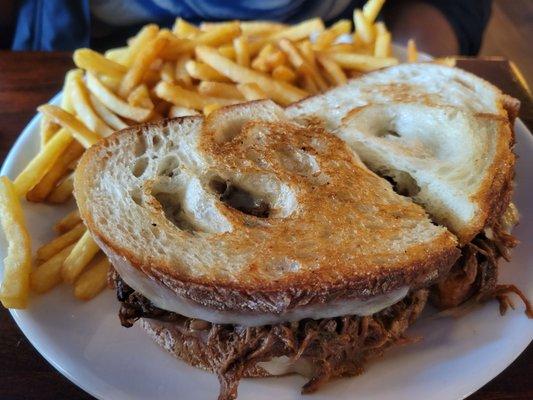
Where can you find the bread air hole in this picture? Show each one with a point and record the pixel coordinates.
(173, 211)
(239, 199)
(402, 182)
(139, 167)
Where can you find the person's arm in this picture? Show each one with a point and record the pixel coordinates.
(440, 27)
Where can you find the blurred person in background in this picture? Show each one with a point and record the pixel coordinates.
(439, 27)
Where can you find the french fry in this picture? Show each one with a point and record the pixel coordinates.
(56, 172)
(68, 222)
(251, 91)
(62, 192)
(341, 48)
(309, 84)
(176, 112)
(48, 275)
(141, 64)
(220, 89)
(182, 76)
(48, 250)
(242, 51)
(140, 97)
(77, 129)
(275, 59)
(219, 34)
(283, 73)
(115, 103)
(47, 129)
(300, 31)
(362, 62)
(84, 110)
(412, 52)
(66, 103)
(167, 72)
(139, 42)
(228, 51)
(281, 92)
(259, 63)
(184, 30)
(382, 47)
(203, 72)
(328, 37)
(94, 280)
(258, 28)
(303, 66)
(210, 108)
(14, 290)
(96, 63)
(118, 54)
(371, 9)
(334, 73)
(106, 114)
(175, 46)
(37, 168)
(82, 253)
(179, 96)
(341, 27)
(363, 28)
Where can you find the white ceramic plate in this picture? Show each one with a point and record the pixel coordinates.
(85, 342)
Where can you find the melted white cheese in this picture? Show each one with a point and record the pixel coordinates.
(166, 299)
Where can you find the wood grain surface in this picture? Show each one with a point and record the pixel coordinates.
(30, 79)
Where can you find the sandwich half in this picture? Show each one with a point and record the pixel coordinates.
(445, 138)
(250, 245)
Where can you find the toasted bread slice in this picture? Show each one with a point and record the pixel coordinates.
(442, 134)
(247, 212)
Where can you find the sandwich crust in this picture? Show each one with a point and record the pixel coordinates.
(339, 233)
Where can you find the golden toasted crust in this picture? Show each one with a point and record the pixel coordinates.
(339, 274)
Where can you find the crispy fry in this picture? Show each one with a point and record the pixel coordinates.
(203, 72)
(139, 42)
(118, 54)
(106, 114)
(48, 250)
(68, 222)
(382, 47)
(257, 28)
(371, 9)
(94, 280)
(58, 170)
(82, 253)
(228, 51)
(284, 73)
(141, 64)
(242, 51)
(47, 129)
(48, 275)
(167, 72)
(68, 121)
(303, 66)
(176, 112)
(42, 162)
(275, 59)
(251, 91)
(361, 62)
(334, 73)
(341, 27)
(66, 103)
(281, 92)
(179, 96)
(115, 103)
(140, 97)
(182, 29)
(363, 28)
(175, 47)
(210, 108)
(219, 34)
(259, 63)
(83, 107)
(300, 31)
(63, 191)
(14, 289)
(412, 52)
(219, 89)
(96, 63)
(182, 76)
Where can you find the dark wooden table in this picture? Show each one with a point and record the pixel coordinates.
(30, 79)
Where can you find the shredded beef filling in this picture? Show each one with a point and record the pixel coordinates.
(475, 275)
(333, 347)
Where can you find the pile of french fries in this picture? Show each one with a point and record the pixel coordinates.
(167, 73)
